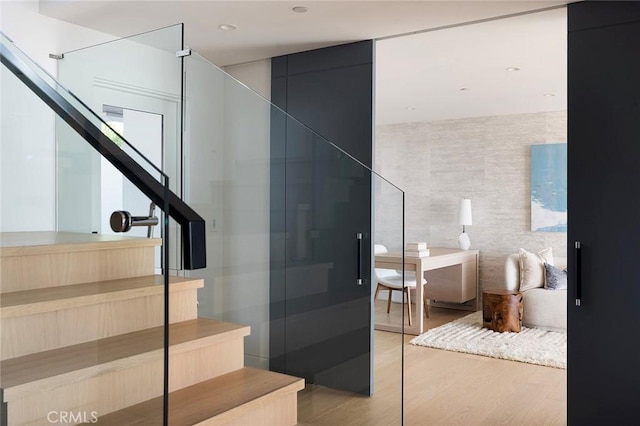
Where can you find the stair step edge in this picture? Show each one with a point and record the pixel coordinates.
(36, 243)
(45, 371)
(218, 400)
(35, 301)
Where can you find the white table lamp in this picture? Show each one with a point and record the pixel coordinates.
(464, 219)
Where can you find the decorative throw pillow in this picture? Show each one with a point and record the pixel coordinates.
(554, 278)
(532, 268)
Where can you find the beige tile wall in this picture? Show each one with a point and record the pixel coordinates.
(486, 159)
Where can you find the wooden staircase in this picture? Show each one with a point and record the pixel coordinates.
(82, 339)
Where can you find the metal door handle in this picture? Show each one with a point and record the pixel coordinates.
(578, 273)
(359, 279)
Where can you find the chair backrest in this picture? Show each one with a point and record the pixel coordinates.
(379, 249)
(378, 272)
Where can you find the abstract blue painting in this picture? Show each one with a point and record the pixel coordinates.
(549, 187)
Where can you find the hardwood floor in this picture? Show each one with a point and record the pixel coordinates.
(441, 388)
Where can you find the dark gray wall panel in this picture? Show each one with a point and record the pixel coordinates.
(603, 208)
(323, 336)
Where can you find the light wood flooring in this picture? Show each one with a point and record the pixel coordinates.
(441, 388)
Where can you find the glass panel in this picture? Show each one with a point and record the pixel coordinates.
(389, 234)
(284, 208)
(135, 85)
(388, 207)
(83, 315)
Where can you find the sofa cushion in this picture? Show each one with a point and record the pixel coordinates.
(545, 309)
(554, 278)
(532, 268)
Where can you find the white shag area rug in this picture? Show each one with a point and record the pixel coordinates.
(532, 345)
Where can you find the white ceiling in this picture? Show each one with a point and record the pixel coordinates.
(427, 71)
(471, 56)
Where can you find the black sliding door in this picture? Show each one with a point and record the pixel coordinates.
(320, 289)
(604, 212)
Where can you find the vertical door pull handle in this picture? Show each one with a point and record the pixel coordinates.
(578, 273)
(359, 279)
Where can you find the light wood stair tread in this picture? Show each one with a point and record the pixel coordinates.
(218, 396)
(73, 359)
(32, 243)
(29, 302)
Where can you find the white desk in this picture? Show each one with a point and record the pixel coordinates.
(452, 278)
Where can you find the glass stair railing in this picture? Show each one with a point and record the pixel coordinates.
(142, 173)
(84, 317)
(287, 278)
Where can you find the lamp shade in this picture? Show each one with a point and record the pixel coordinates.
(464, 213)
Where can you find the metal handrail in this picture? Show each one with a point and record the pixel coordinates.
(192, 224)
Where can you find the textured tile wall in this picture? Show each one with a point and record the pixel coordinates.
(486, 159)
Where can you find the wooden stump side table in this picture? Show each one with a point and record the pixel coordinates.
(502, 310)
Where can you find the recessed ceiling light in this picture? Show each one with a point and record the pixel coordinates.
(549, 95)
(227, 27)
(300, 9)
(464, 89)
(513, 69)
(411, 108)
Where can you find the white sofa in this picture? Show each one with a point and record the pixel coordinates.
(546, 309)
